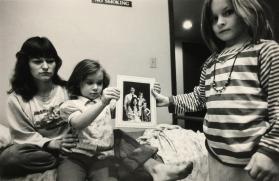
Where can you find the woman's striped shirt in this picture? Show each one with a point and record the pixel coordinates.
(244, 117)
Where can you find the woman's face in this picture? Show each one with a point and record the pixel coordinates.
(42, 69)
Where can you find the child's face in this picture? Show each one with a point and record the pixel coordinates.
(226, 25)
(144, 105)
(92, 86)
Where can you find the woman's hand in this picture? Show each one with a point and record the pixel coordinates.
(110, 93)
(64, 144)
(263, 168)
(161, 100)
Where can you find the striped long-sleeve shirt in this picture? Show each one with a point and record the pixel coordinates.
(242, 119)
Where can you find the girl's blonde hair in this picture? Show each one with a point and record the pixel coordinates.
(253, 14)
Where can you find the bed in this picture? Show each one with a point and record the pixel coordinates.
(174, 143)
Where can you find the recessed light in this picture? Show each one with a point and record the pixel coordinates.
(187, 24)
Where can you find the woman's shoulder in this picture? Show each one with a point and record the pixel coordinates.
(61, 92)
(14, 98)
(62, 88)
(15, 101)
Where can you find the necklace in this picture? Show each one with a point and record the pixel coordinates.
(227, 83)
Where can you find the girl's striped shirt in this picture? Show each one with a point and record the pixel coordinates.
(242, 119)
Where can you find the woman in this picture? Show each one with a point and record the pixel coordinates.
(33, 111)
(134, 110)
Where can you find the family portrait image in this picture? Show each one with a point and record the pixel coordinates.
(136, 107)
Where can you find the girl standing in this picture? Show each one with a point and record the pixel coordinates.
(145, 113)
(239, 87)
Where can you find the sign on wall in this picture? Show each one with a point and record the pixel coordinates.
(114, 2)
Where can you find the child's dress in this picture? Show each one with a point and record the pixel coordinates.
(99, 134)
(134, 114)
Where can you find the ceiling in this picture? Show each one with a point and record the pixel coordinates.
(187, 10)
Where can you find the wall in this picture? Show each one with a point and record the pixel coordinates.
(123, 39)
(179, 67)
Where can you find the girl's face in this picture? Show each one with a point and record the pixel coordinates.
(42, 69)
(92, 86)
(226, 25)
(144, 105)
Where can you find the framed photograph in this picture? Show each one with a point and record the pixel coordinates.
(137, 106)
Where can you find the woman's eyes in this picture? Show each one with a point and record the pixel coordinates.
(39, 61)
(50, 60)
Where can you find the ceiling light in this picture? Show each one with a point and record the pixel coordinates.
(187, 24)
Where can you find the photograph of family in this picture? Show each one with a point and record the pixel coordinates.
(137, 107)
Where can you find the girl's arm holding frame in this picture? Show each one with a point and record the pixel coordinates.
(84, 119)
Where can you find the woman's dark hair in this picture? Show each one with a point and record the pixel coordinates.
(132, 103)
(81, 71)
(22, 81)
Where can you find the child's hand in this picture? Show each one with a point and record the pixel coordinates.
(157, 87)
(263, 168)
(110, 93)
(161, 100)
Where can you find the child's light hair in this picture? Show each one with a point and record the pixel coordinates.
(252, 13)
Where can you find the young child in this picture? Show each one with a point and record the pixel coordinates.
(88, 113)
(145, 112)
(239, 87)
(141, 99)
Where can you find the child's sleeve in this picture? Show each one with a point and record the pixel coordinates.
(69, 109)
(269, 78)
(21, 127)
(191, 102)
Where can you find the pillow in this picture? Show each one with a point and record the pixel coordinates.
(5, 136)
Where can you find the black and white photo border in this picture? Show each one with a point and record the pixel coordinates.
(121, 83)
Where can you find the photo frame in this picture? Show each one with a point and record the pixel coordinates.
(136, 107)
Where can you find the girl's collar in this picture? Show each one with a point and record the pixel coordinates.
(235, 49)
